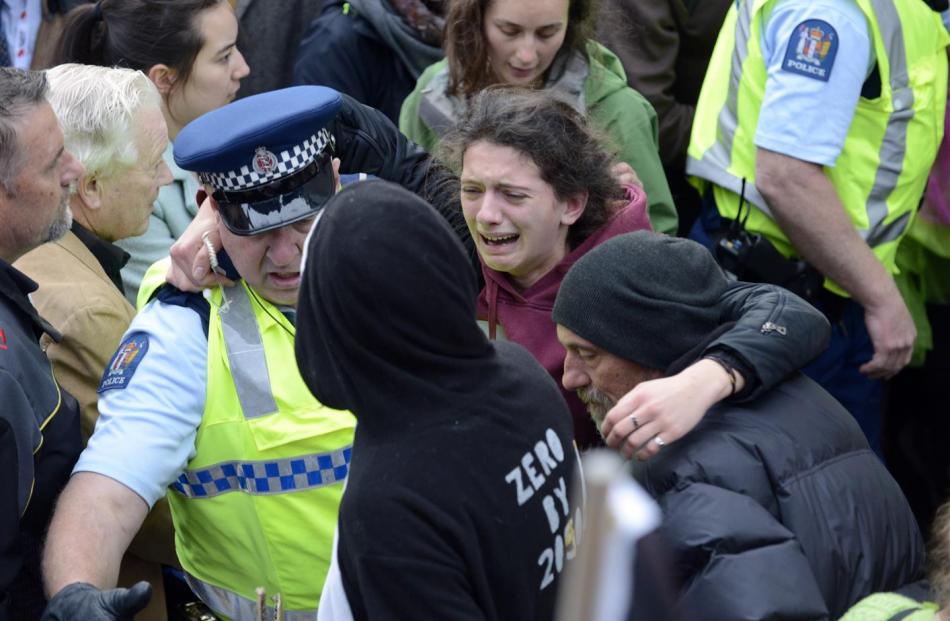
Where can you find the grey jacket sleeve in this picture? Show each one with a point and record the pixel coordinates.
(775, 334)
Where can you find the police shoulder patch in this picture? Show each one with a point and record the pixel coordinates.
(811, 50)
(124, 362)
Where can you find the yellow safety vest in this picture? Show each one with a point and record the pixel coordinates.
(891, 607)
(890, 146)
(257, 505)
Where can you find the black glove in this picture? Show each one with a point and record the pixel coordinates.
(83, 602)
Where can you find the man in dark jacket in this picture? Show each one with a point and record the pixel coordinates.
(372, 50)
(777, 507)
(39, 423)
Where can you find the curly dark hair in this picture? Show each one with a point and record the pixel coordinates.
(467, 50)
(569, 152)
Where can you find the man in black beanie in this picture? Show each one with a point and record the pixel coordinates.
(776, 507)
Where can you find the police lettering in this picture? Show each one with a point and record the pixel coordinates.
(803, 67)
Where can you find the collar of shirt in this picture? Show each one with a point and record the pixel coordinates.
(110, 257)
(16, 287)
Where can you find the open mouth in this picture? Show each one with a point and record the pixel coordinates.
(285, 278)
(499, 240)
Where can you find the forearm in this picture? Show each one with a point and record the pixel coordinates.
(95, 519)
(806, 206)
(775, 332)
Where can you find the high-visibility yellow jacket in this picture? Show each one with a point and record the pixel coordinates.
(257, 505)
(890, 146)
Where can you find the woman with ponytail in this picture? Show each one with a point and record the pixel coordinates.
(188, 49)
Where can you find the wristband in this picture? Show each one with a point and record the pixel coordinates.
(730, 371)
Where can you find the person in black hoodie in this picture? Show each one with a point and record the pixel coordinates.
(458, 503)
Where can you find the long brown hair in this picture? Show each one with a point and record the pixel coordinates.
(467, 50)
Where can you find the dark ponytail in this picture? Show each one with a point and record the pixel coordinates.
(137, 34)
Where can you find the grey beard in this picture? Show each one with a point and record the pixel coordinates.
(62, 223)
(598, 404)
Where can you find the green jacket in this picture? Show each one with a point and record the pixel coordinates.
(621, 112)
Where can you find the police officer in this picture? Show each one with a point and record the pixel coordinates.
(39, 423)
(203, 398)
(817, 124)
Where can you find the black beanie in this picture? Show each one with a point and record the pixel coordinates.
(646, 297)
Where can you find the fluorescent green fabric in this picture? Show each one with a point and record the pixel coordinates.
(885, 606)
(281, 541)
(623, 114)
(238, 540)
(891, 144)
(153, 279)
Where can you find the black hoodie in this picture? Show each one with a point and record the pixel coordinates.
(458, 501)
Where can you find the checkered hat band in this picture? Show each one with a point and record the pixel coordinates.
(266, 477)
(288, 162)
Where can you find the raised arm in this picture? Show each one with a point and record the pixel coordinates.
(774, 334)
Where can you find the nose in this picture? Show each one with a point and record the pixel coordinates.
(489, 212)
(241, 69)
(71, 169)
(526, 54)
(575, 377)
(284, 247)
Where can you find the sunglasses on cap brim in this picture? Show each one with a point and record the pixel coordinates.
(297, 197)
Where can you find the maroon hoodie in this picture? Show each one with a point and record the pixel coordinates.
(525, 315)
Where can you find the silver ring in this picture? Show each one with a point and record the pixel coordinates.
(659, 441)
(635, 422)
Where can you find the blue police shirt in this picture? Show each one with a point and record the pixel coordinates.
(152, 397)
(818, 53)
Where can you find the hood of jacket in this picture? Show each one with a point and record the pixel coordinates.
(386, 313)
(606, 74)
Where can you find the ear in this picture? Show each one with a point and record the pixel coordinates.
(163, 77)
(575, 209)
(89, 191)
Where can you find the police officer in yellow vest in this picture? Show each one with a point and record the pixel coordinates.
(203, 398)
(816, 126)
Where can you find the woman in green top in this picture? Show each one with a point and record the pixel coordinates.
(541, 44)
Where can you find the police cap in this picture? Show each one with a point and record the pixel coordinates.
(267, 157)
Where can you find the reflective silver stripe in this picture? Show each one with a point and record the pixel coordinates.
(233, 606)
(721, 152)
(266, 477)
(719, 176)
(245, 348)
(894, 145)
(717, 159)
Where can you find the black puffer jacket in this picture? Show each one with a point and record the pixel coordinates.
(778, 509)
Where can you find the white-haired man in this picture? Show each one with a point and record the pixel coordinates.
(112, 122)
